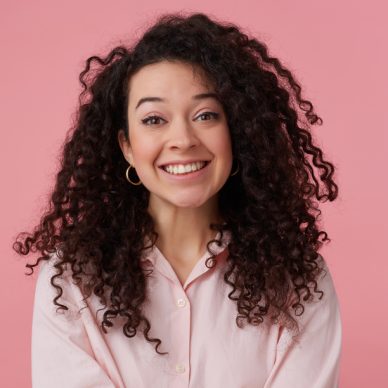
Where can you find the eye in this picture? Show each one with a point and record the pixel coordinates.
(147, 119)
(213, 114)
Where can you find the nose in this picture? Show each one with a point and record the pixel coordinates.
(182, 136)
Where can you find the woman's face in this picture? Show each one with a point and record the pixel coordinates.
(172, 126)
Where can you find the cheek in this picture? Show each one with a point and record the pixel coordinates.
(227, 154)
(222, 146)
(144, 149)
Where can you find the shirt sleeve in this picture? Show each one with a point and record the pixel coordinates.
(314, 360)
(61, 354)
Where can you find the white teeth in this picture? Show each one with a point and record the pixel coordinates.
(183, 169)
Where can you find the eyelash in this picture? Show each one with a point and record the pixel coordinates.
(144, 121)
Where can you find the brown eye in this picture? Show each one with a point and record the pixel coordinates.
(212, 114)
(146, 121)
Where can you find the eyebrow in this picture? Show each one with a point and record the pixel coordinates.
(200, 96)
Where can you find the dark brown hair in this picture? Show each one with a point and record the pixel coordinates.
(97, 222)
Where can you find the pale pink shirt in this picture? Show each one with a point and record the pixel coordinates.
(196, 323)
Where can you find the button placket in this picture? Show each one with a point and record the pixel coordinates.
(181, 334)
(181, 302)
(180, 368)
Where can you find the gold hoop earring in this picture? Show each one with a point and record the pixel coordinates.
(238, 169)
(129, 180)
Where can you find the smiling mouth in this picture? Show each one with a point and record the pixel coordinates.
(185, 170)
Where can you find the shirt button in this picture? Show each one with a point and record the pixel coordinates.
(179, 368)
(181, 302)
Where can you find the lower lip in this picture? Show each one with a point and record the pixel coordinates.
(186, 177)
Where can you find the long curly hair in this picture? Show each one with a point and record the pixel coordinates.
(97, 223)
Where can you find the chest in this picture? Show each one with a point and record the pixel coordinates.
(206, 349)
(182, 270)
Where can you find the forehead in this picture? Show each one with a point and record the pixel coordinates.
(165, 77)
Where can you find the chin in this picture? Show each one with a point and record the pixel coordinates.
(189, 203)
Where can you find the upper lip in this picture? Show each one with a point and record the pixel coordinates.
(183, 162)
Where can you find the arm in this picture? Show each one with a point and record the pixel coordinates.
(61, 353)
(314, 361)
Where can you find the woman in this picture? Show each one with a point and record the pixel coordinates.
(181, 245)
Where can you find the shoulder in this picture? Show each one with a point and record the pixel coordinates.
(321, 311)
(48, 268)
(54, 284)
(325, 283)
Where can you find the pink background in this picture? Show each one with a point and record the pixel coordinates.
(335, 49)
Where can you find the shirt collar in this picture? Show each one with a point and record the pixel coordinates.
(152, 253)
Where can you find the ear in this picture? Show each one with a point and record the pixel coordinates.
(125, 146)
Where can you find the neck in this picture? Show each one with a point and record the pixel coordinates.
(184, 232)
